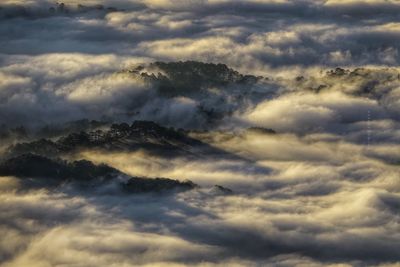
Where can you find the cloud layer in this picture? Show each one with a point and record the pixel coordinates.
(321, 189)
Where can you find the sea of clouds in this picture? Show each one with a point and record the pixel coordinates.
(323, 191)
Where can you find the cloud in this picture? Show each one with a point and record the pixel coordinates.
(311, 112)
(298, 200)
(73, 85)
(283, 216)
(322, 191)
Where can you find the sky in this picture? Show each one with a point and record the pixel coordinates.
(323, 191)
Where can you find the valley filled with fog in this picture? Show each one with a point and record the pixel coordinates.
(199, 133)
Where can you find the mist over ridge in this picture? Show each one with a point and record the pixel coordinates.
(199, 133)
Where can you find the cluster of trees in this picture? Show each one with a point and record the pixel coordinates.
(140, 131)
(44, 171)
(64, 9)
(59, 8)
(186, 76)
